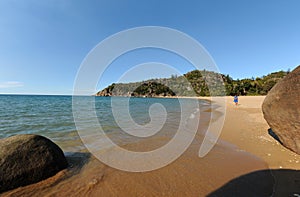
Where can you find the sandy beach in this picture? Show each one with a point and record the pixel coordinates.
(245, 127)
(246, 161)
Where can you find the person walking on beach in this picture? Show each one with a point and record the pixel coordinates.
(236, 100)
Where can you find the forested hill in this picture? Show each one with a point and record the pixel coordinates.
(194, 83)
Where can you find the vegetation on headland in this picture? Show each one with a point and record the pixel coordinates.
(195, 83)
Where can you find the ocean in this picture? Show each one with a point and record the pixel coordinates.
(52, 116)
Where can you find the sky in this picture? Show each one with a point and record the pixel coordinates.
(44, 43)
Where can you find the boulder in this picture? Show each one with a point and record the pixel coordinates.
(281, 109)
(27, 159)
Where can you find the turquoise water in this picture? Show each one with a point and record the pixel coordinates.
(52, 116)
(47, 115)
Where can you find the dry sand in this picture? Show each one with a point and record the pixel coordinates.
(245, 127)
(237, 166)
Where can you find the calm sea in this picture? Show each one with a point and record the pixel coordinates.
(52, 116)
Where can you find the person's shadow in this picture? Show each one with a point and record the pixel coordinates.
(273, 182)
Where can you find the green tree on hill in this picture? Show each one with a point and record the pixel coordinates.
(196, 83)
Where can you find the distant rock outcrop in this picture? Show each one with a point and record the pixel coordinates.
(106, 91)
(27, 159)
(281, 110)
(146, 89)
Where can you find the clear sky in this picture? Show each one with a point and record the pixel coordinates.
(43, 43)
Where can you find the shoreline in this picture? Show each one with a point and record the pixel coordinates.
(244, 147)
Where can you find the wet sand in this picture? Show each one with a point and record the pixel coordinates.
(238, 164)
(187, 176)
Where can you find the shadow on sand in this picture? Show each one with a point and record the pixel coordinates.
(271, 133)
(276, 182)
(76, 161)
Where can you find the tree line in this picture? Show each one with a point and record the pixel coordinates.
(197, 83)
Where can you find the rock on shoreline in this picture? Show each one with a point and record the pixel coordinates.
(27, 159)
(281, 110)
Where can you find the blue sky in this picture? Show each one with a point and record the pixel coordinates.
(43, 43)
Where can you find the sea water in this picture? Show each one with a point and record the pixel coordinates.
(52, 116)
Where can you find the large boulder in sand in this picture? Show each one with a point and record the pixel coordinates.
(281, 109)
(27, 159)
